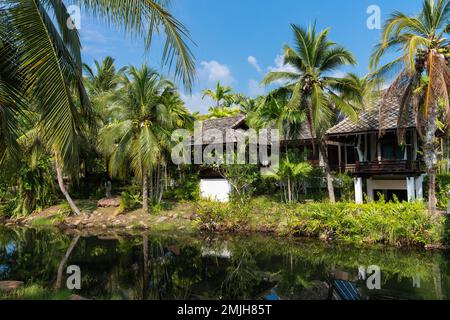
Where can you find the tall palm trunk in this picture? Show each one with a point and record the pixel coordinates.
(430, 157)
(62, 187)
(145, 190)
(323, 150)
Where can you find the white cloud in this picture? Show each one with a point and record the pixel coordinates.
(194, 102)
(89, 35)
(210, 72)
(338, 74)
(254, 63)
(94, 42)
(281, 67)
(255, 89)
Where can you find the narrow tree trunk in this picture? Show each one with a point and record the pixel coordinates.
(330, 184)
(64, 262)
(431, 191)
(330, 187)
(145, 190)
(430, 158)
(62, 187)
(289, 190)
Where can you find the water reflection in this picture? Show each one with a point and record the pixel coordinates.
(178, 266)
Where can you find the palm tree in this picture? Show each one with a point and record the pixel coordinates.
(366, 93)
(221, 95)
(314, 91)
(246, 104)
(150, 110)
(102, 84)
(424, 78)
(47, 56)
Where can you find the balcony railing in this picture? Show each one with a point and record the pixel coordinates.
(388, 166)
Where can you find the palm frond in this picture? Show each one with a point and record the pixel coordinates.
(143, 18)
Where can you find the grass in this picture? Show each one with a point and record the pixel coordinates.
(35, 292)
(396, 224)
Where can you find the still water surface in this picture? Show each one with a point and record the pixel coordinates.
(178, 266)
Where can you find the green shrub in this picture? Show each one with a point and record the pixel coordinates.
(189, 190)
(442, 190)
(36, 292)
(344, 184)
(316, 185)
(214, 216)
(394, 223)
(130, 198)
(391, 223)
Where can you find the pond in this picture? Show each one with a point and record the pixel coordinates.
(180, 266)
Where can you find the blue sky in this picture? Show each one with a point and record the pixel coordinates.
(239, 41)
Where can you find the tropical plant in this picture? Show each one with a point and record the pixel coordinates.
(424, 76)
(314, 91)
(366, 93)
(293, 174)
(46, 56)
(246, 104)
(222, 96)
(150, 110)
(102, 83)
(273, 110)
(220, 112)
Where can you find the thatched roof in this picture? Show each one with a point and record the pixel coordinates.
(372, 120)
(211, 127)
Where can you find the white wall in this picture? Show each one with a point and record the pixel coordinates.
(388, 184)
(215, 189)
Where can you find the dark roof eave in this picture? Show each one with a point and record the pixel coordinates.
(355, 133)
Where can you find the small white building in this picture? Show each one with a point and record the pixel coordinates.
(213, 186)
(218, 190)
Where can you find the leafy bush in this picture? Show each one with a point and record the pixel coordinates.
(442, 190)
(130, 198)
(189, 190)
(35, 292)
(316, 184)
(35, 187)
(391, 223)
(214, 216)
(343, 182)
(242, 178)
(394, 223)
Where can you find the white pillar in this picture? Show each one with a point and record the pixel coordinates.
(419, 187)
(370, 192)
(411, 187)
(359, 191)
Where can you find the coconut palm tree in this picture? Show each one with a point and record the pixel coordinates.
(314, 91)
(150, 111)
(47, 56)
(102, 83)
(221, 95)
(12, 106)
(424, 78)
(366, 93)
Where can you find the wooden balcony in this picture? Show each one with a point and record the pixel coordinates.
(388, 167)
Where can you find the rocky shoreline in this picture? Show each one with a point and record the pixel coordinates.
(105, 217)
